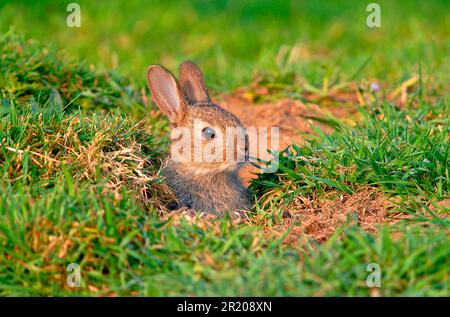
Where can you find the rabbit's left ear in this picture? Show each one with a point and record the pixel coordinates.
(167, 94)
(193, 83)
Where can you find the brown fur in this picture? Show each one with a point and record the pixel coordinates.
(213, 187)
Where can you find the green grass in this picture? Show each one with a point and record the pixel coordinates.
(33, 74)
(411, 159)
(80, 149)
(234, 40)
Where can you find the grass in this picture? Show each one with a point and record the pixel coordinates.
(30, 73)
(81, 149)
(234, 41)
(411, 159)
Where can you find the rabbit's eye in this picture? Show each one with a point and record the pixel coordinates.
(209, 133)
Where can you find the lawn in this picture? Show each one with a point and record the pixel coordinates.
(81, 149)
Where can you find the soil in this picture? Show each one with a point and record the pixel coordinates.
(320, 218)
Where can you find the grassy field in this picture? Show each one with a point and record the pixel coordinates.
(81, 149)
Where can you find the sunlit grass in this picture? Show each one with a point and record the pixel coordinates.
(233, 40)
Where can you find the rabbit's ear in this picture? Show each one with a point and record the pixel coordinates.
(192, 82)
(167, 93)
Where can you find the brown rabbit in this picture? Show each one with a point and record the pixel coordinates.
(202, 167)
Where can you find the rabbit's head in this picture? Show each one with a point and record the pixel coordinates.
(204, 137)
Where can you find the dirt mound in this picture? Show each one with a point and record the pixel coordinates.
(319, 218)
(292, 117)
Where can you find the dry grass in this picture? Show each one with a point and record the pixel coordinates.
(119, 152)
(320, 217)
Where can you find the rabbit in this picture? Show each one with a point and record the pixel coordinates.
(204, 185)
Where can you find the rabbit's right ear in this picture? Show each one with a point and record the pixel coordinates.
(193, 83)
(167, 93)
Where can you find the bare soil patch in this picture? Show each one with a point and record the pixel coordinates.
(319, 218)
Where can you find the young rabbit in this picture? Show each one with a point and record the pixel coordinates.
(204, 173)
